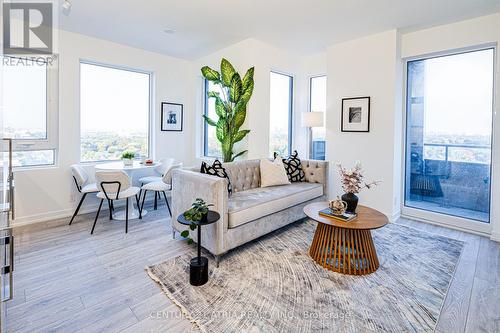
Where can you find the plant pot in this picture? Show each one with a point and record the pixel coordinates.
(128, 162)
(352, 202)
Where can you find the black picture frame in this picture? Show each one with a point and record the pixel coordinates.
(363, 127)
(176, 111)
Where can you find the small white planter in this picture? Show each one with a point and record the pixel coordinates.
(128, 162)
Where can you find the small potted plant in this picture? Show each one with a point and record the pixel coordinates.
(128, 157)
(352, 184)
(196, 214)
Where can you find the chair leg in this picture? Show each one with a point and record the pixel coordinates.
(126, 217)
(96, 216)
(78, 208)
(168, 206)
(140, 190)
(156, 203)
(143, 199)
(110, 209)
(138, 205)
(173, 233)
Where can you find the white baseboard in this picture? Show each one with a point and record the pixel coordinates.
(54, 215)
(61, 214)
(495, 236)
(395, 216)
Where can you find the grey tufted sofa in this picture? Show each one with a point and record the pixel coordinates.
(251, 211)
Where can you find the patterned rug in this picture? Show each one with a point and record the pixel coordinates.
(272, 285)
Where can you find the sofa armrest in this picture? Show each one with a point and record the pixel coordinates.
(316, 171)
(189, 185)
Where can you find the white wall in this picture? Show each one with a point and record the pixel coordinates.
(265, 58)
(46, 193)
(367, 66)
(465, 34)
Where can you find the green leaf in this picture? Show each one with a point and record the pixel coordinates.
(210, 74)
(219, 107)
(219, 131)
(239, 154)
(209, 121)
(185, 233)
(227, 147)
(213, 94)
(236, 88)
(192, 226)
(240, 113)
(240, 135)
(248, 79)
(190, 241)
(247, 93)
(227, 71)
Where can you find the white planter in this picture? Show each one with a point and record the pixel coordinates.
(128, 162)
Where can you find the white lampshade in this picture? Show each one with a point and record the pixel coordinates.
(312, 119)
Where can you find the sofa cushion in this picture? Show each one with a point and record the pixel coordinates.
(293, 167)
(272, 173)
(216, 169)
(246, 206)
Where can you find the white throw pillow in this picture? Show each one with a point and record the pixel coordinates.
(272, 173)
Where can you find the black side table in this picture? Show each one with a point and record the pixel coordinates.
(198, 268)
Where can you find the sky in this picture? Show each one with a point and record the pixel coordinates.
(24, 96)
(459, 93)
(113, 100)
(279, 101)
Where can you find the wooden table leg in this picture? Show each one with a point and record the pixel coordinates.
(348, 251)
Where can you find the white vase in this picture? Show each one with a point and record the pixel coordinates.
(128, 162)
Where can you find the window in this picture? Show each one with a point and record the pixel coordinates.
(211, 146)
(30, 109)
(281, 100)
(317, 103)
(114, 112)
(448, 134)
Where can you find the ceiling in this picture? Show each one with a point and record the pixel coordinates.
(304, 26)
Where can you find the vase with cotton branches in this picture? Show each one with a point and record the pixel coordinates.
(352, 181)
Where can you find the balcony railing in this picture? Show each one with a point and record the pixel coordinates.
(478, 157)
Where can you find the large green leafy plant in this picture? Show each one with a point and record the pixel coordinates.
(230, 105)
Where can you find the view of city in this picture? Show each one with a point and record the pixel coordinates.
(106, 146)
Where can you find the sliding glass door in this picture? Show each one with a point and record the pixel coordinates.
(448, 136)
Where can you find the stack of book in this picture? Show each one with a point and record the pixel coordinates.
(346, 217)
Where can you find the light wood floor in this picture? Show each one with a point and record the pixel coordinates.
(67, 280)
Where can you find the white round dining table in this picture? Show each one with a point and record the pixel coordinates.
(129, 169)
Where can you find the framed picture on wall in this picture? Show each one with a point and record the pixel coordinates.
(171, 116)
(355, 114)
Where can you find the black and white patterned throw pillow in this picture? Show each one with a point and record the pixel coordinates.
(293, 167)
(216, 169)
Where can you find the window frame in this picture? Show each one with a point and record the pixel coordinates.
(438, 218)
(205, 113)
(310, 130)
(51, 141)
(290, 111)
(150, 134)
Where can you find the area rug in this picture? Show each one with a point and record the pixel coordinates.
(272, 285)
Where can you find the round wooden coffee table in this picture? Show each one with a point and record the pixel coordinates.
(345, 247)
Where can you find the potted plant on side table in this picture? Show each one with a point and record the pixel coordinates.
(197, 214)
(196, 217)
